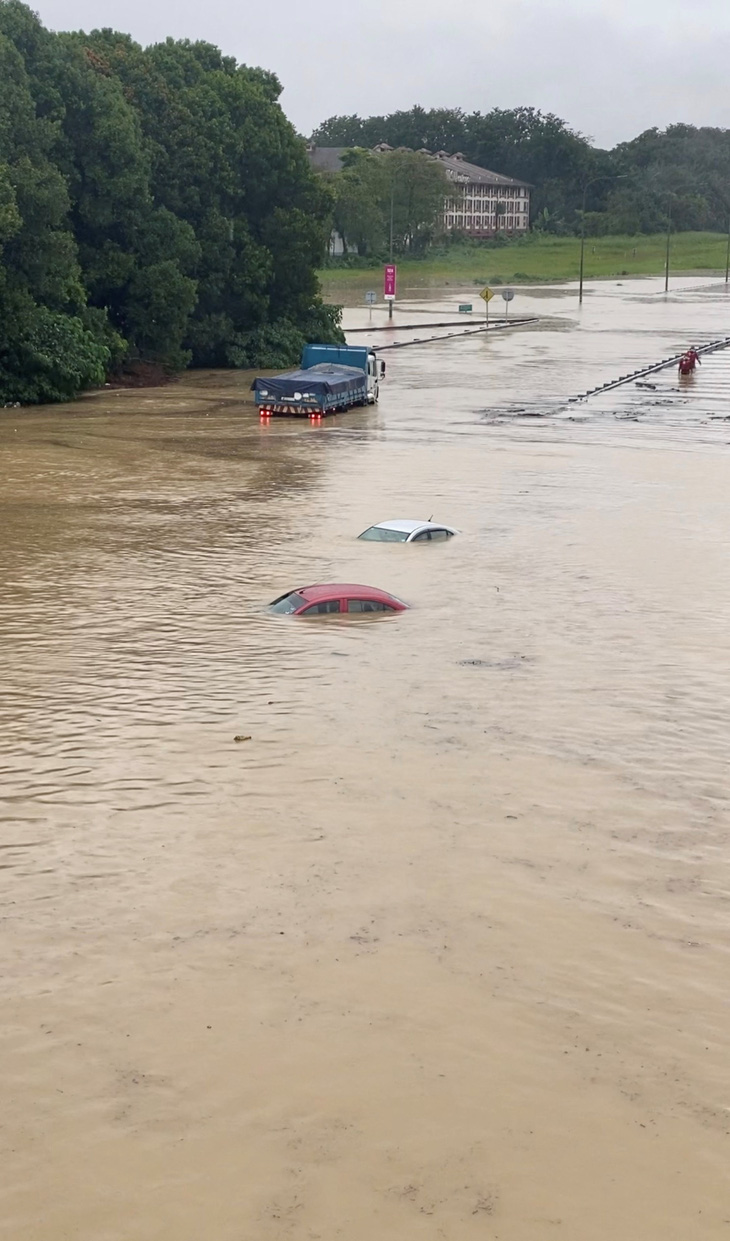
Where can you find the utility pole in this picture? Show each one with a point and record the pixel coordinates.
(582, 243)
(621, 176)
(727, 254)
(669, 234)
(392, 192)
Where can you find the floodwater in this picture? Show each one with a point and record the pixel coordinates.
(441, 952)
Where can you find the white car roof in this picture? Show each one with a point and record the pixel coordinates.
(408, 526)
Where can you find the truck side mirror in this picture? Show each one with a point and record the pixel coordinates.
(382, 369)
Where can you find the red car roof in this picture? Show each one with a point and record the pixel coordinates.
(342, 590)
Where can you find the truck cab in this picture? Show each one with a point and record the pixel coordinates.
(376, 371)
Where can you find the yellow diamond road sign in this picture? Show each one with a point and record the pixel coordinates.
(487, 294)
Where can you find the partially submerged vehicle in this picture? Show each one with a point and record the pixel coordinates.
(333, 597)
(330, 379)
(408, 531)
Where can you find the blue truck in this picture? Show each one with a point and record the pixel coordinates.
(330, 378)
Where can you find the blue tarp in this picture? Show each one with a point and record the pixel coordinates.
(318, 381)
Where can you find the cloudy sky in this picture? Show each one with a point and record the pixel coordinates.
(611, 68)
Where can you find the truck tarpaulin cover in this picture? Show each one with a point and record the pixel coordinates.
(322, 380)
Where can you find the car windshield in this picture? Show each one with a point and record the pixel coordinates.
(287, 603)
(381, 534)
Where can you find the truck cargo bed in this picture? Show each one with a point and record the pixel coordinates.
(324, 388)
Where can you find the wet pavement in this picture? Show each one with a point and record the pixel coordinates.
(441, 952)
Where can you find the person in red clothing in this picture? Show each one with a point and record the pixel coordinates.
(688, 361)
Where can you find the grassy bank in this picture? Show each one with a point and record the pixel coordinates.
(539, 258)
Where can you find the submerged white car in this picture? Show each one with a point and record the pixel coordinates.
(406, 531)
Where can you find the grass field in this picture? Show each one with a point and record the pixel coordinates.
(540, 258)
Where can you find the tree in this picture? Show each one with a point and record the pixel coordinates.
(128, 245)
(360, 193)
(375, 187)
(155, 204)
(693, 165)
(418, 188)
(227, 162)
(435, 129)
(40, 255)
(46, 353)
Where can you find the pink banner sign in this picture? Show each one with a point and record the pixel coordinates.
(389, 282)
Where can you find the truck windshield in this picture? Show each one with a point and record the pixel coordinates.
(381, 535)
(286, 604)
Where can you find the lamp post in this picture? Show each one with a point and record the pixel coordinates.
(669, 235)
(621, 176)
(392, 192)
(670, 195)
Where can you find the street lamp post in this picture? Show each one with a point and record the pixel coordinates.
(669, 235)
(670, 195)
(607, 177)
(582, 242)
(392, 192)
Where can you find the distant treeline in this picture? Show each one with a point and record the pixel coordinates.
(156, 207)
(682, 171)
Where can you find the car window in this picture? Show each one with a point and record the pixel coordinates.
(286, 604)
(321, 609)
(368, 605)
(378, 535)
(422, 537)
(440, 534)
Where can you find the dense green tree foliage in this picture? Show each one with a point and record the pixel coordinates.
(682, 171)
(522, 142)
(376, 190)
(155, 205)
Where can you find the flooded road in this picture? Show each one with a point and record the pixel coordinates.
(441, 952)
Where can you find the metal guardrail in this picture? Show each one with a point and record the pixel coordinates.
(412, 327)
(428, 340)
(711, 347)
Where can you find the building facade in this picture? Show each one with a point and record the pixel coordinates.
(486, 202)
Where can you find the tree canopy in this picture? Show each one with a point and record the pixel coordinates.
(376, 190)
(633, 188)
(155, 205)
(522, 142)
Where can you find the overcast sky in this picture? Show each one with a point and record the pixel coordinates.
(611, 68)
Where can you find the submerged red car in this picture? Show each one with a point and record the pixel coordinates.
(335, 597)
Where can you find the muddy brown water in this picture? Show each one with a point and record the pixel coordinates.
(442, 951)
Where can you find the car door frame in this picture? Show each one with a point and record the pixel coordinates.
(316, 602)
